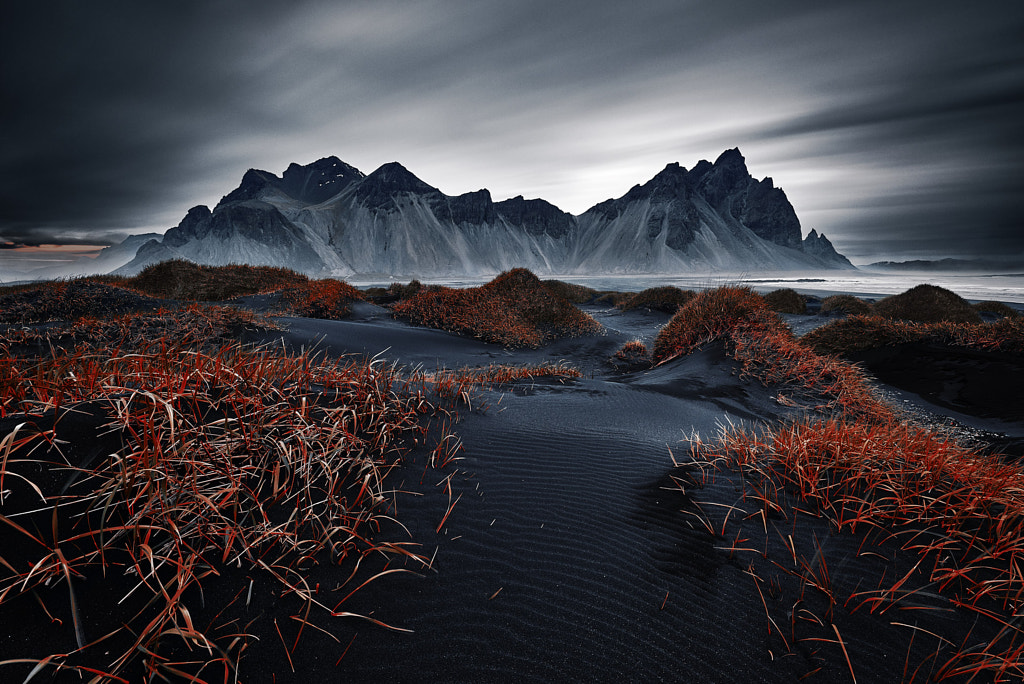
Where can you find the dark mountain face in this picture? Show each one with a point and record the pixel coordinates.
(380, 189)
(251, 219)
(536, 216)
(313, 183)
(472, 208)
(320, 180)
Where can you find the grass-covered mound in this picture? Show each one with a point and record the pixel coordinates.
(515, 309)
(927, 304)
(300, 296)
(163, 284)
(667, 298)
(995, 310)
(756, 337)
(67, 300)
(844, 304)
(861, 333)
(572, 292)
(786, 301)
(184, 280)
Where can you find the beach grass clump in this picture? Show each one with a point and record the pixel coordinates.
(845, 304)
(185, 280)
(155, 461)
(667, 298)
(326, 298)
(633, 352)
(995, 309)
(862, 333)
(515, 309)
(67, 300)
(958, 514)
(571, 292)
(786, 301)
(613, 297)
(710, 315)
(767, 351)
(927, 304)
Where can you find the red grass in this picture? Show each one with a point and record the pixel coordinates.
(757, 337)
(224, 460)
(515, 309)
(961, 512)
(327, 298)
(634, 352)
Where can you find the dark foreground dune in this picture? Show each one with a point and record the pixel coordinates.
(577, 550)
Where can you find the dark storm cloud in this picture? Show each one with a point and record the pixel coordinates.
(893, 127)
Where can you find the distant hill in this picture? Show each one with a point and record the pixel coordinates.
(949, 265)
(328, 218)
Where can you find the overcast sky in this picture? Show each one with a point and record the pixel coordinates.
(894, 127)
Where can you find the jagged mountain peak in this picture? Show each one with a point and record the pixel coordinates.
(312, 183)
(379, 189)
(396, 176)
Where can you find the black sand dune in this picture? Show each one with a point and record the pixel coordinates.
(576, 552)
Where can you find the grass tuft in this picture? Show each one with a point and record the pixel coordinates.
(668, 299)
(927, 304)
(845, 304)
(861, 333)
(515, 309)
(786, 301)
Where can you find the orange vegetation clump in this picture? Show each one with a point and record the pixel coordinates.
(326, 298)
(767, 350)
(515, 309)
(633, 351)
(959, 514)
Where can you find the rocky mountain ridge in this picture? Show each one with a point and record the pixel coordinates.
(328, 218)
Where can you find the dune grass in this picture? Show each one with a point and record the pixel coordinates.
(163, 285)
(667, 299)
(571, 292)
(927, 304)
(633, 352)
(996, 309)
(156, 461)
(786, 301)
(515, 309)
(853, 461)
(860, 333)
(846, 304)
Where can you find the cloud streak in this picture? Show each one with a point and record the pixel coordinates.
(894, 128)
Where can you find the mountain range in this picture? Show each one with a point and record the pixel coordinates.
(329, 219)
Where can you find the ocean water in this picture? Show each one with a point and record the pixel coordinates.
(974, 287)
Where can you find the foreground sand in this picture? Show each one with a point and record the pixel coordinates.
(572, 553)
(576, 551)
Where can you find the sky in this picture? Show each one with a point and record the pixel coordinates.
(895, 128)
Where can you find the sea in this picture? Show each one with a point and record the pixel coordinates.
(974, 287)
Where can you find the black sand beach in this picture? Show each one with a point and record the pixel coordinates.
(581, 547)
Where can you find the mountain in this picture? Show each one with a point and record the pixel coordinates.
(107, 260)
(950, 266)
(328, 218)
